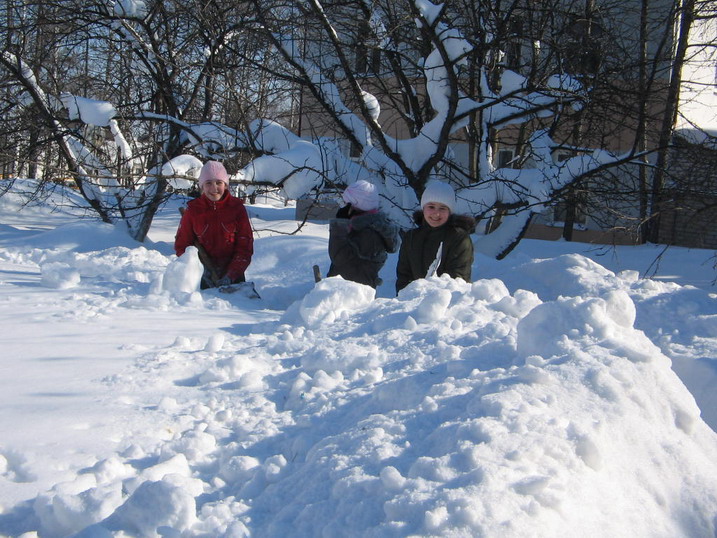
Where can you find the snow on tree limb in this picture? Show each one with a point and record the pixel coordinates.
(297, 170)
(403, 165)
(134, 9)
(439, 101)
(327, 92)
(99, 114)
(68, 144)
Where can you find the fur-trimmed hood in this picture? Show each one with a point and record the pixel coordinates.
(378, 222)
(464, 222)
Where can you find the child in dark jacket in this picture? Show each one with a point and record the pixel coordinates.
(441, 244)
(360, 236)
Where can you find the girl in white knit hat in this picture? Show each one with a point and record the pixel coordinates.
(360, 236)
(441, 242)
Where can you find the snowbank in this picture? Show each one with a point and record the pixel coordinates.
(537, 401)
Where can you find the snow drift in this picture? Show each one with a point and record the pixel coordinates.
(527, 405)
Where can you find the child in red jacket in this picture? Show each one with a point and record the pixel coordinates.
(218, 225)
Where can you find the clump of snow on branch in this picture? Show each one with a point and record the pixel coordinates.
(297, 169)
(430, 12)
(183, 165)
(372, 105)
(210, 139)
(271, 136)
(297, 165)
(134, 9)
(89, 111)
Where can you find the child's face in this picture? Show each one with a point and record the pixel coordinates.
(436, 214)
(214, 189)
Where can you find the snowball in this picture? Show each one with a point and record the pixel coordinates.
(252, 381)
(175, 465)
(111, 469)
(519, 305)
(65, 514)
(373, 376)
(154, 505)
(433, 307)
(620, 308)
(195, 445)
(435, 518)
(273, 467)
(391, 478)
(325, 381)
(167, 404)
(215, 343)
(332, 297)
(238, 469)
(490, 290)
(184, 274)
(59, 276)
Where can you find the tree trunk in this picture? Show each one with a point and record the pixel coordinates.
(669, 119)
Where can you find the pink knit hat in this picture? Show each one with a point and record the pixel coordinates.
(213, 170)
(362, 195)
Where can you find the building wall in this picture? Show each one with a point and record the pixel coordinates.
(698, 94)
(599, 237)
(692, 223)
(689, 213)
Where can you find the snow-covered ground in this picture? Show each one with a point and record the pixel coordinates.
(560, 394)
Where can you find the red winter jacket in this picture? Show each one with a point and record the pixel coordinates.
(223, 229)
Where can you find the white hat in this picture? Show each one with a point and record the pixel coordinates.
(439, 192)
(362, 195)
(213, 170)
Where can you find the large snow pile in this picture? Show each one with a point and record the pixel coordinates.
(529, 405)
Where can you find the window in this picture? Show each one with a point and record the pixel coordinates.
(584, 47)
(503, 158)
(560, 212)
(352, 150)
(572, 200)
(562, 156)
(514, 47)
(368, 56)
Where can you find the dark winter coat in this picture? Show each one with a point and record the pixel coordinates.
(223, 229)
(420, 246)
(358, 246)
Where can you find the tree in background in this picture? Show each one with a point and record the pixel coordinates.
(487, 74)
(142, 85)
(305, 95)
